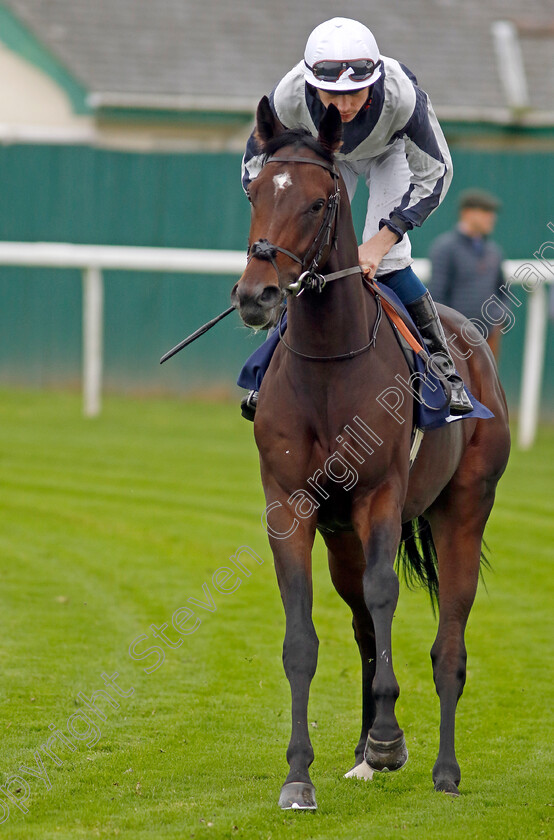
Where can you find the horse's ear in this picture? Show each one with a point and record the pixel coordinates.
(267, 124)
(330, 129)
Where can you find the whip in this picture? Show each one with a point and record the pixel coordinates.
(195, 335)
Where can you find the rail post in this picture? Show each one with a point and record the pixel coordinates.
(533, 363)
(93, 317)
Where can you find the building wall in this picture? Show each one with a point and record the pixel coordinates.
(42, 102)
(30, 97)
(86, 195)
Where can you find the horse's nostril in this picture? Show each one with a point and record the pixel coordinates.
(270, 296)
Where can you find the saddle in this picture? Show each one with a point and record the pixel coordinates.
(398, 316)
(429, 388)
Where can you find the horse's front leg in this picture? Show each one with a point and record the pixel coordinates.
(291, 542)
(347, 565)
(377, 520)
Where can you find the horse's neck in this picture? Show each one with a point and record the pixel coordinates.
(334, 321)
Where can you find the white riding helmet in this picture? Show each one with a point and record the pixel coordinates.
(341, 55)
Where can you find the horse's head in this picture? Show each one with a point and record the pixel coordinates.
(294, 200)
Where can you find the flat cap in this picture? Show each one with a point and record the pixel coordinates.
(479, 198)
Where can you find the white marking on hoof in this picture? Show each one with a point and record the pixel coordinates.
(296, 807)
(282, 181)
(360, 771)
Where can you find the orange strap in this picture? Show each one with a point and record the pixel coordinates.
(401, 326)
(395, 318)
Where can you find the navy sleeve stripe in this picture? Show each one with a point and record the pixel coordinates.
(419, 129)
(427, 164)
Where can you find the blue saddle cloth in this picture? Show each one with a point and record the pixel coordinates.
(430, 410)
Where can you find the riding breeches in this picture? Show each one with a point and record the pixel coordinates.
(388, 179)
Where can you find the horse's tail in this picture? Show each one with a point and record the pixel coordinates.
(417, 558)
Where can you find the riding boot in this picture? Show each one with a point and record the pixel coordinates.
(427, 320)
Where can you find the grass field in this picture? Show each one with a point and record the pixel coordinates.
(109, 526)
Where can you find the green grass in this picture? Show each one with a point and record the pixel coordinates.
(108, 526)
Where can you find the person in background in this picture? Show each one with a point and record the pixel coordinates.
(466, 265)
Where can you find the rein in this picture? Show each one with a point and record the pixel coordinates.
(342, 356)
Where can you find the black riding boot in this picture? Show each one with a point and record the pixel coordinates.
(427, 320)
(249, 403)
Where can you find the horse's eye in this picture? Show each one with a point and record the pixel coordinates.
(317, 206)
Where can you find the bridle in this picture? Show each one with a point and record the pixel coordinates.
(310, 278)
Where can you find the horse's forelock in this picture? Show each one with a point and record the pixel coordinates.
(299, 137)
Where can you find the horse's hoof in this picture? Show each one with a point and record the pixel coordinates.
(298, 796)
(447, 786)
(360, 771)
(386, 755)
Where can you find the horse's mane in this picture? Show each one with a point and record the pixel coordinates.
(297, 137)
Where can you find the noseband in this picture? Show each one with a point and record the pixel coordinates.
(265, 250)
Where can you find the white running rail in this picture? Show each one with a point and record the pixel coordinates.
(93, 259)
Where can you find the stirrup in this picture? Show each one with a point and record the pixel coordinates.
(248, 405)
(459, 401)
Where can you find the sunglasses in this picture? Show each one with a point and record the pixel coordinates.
(331, 71)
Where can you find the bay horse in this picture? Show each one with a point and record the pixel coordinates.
(321, 389)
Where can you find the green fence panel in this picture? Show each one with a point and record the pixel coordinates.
(96, 196)
(85, 195)
(146, 315)
(40, 327)
(519, 179)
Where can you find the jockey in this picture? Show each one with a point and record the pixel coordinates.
(391, 139)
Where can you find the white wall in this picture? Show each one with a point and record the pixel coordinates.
(29, 97)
